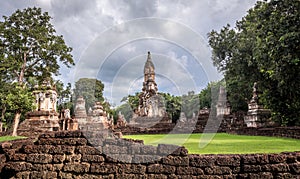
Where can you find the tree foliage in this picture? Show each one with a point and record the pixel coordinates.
(30, 48)
(90, 89)
(263, 47)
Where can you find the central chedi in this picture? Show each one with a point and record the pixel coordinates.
(151, 108)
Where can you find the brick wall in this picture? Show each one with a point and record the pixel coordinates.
(71, 155)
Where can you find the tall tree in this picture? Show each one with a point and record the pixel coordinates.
(90, 89)
(263, 47)
(30, 47)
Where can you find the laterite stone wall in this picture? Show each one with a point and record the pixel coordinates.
(78, 155)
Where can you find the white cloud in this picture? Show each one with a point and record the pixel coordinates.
(178, 40)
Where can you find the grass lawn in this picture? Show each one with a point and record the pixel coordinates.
(222, 143)
(7, 138)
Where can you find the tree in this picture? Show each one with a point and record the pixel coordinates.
(264, 47)
(30, 48)
(90, 89)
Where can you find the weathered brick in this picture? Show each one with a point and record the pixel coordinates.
(201, 161)
(159, 168)
(68, 134)
(43, 174)
(280, 167)
(17, 166)
(42, 167)
(88, 150)
(23, 175)
(132, 168)
(17, 157)
(103, 168)
(131, 176)
(255, 159)
(39, 158)
(175, 160)
(76, 167)
(166, 149)
(119, 158)
(73, 158)
(114, 149)
(61, 149)
(228, 160)
(59, 158)
(134, 149)
(57, 167)
(146, 158)
(2, 158)
(110, 142)
(216, 170)
(156, 176)
(180, 151)
(295, 168)
(29, 149)
(92, 158)
(252, 168)
(277, 158)
(189, 171)
(148, 150)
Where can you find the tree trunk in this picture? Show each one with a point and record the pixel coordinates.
(16, 123)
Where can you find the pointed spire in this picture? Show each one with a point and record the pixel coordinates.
(149, 56)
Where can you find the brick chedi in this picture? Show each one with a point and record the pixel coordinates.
(149, 101)
(45, 116)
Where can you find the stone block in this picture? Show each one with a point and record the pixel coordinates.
(134, 149)
(252, 168)
(295, 168)
(76, 167)
(69, 134)
(88, 150)
(73, 158)
(255, 159)
(277, 158)
(189, 171)
(166, 149)
(146, 159)
(201, 160)
(131, 176)
(228, 160)
(42, 167)
(175, 160)
(159, 168)
(29, 149)
(114, 149)
(103, 168)
(280, 168)
(2, 158)
(17, 157)
(216, 170)
(39, 158)
(132, 168)
(181, 151)
(17, 166)
(110, 141)
(119, 158)
(59, 158)
(148, 150)
(43, 174)
(92, 158)
(57, 167)
(61, 149)
(24, 175)
(156, 176)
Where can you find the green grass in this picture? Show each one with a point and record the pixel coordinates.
(8, 138)
(222, 143)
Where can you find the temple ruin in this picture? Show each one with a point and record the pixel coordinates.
(151, 107)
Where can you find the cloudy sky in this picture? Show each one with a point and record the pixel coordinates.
(111, 38)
